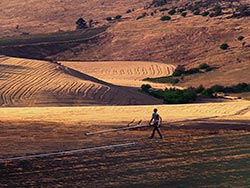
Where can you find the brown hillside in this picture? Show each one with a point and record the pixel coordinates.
(187, 41)
(39, 83)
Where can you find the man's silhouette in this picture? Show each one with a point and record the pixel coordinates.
(156, 118)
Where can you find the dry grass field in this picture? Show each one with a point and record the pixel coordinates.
(209, 149)
(124, 73)
(40, 83)
(47, 107)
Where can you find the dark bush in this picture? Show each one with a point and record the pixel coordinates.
(81, 24)
(178, 73)
(172, 12)
(184, 14)
(207, 93)
(203, 66)
(140, 17)
(181, 10)
(109, 18)
(224, 46)
(196, 12)
(240, 38)
(209, 69)
(192, 71)
(167, 79)
(217, 88)
(200, 89)
(145, 87)
(158, 3)
(175, 96)
(118, 17)
(165, 18)
(206, 13)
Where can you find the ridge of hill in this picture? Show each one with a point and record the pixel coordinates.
(26, 82)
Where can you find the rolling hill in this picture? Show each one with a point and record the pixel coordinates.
(40, 83)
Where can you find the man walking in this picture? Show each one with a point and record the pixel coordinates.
(156, 118)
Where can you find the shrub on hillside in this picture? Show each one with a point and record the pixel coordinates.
(207, 93)
(145, 87)
(176, 96)
(196, 12)
(109, 19)
(165, 18)
(158, 3)
(192, 71)
(240, 38)
(184, 14)
(224, 46)
(203, 66)
(118, 17)
(206, 13)
(81, 24)
(172, 12)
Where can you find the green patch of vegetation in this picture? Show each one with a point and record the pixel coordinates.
(184, 14)
(118, 17)
(175, 96)
(206, 13)
(165, 18)
(53, 37)
(172, 12)
(142, 16)
(224, 46)
(196, 12)
(109, 19)
(240, 38)
(167, 79)
(203, 66)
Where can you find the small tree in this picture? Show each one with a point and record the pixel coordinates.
(145, 87)
(165, 18)
(184, 14)
(109, 19)
(206, 13)
(172, 12)
(81, 24)
(224, 46)
(203, 66)
(240, 38)
(118, 17)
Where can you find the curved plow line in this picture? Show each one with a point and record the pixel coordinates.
(61, 90)
(89, 86)
(29, 82)
(78, 89)
(100, 92)
(43, 83)
(69, 151)
(73, 90)
(91, 92)
(38, 85)
(107, 89)
(96, 93)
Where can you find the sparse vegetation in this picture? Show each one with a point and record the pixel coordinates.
(184, 14)
(196, 12)
(240, 38)
(109, 19)
(118, 17)
(163, 9)
(206, 13)
(165, 18)
(145, 88)
(175, 96)
(203, 66)
(158, 3)
(81, 24)
(224, 46)
(172, 12)
(167, 79)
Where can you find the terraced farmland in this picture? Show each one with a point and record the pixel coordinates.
(124, 73)
(39, 83)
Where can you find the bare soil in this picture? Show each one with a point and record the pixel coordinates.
(197, 154)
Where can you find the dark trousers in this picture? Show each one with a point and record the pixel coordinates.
(156, 129)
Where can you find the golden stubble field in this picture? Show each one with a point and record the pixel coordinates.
(124, 73)
(40, 83)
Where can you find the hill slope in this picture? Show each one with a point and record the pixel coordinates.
(39, 83)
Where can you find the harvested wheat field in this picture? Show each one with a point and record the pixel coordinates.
(39, 83)
(125, 73)
(209, 148)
